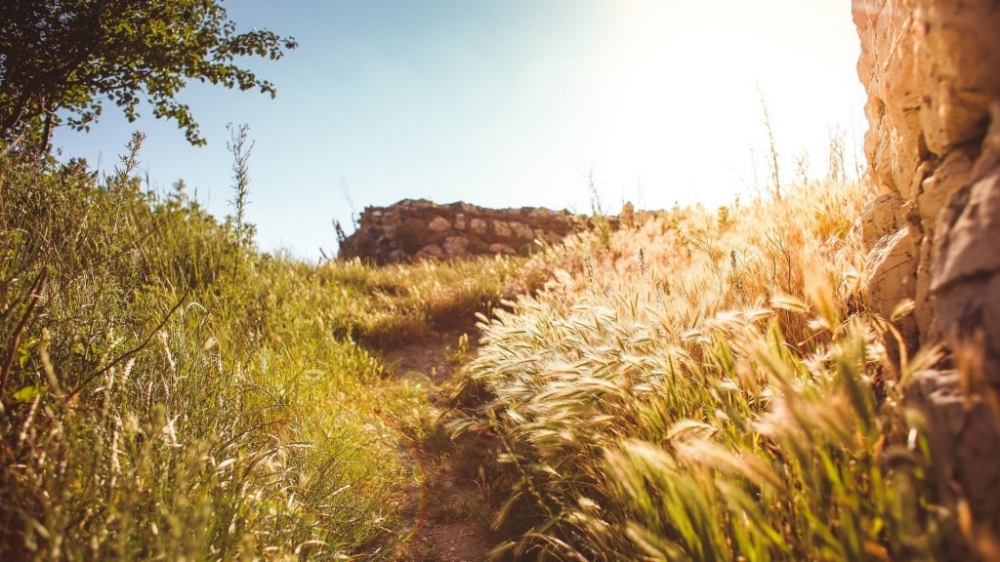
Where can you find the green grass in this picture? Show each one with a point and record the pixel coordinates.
(395, 304)
(172, 393)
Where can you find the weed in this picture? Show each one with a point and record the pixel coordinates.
(696, 385)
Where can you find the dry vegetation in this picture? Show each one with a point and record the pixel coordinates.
(705, 386)
(699, 385)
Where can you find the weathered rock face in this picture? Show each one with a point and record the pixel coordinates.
(963, 439)
(965, 273)
(932, 72)
(419, 229)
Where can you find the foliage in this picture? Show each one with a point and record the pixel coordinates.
(699, 385)
(66, 57)
(169, 392)
(396, 304)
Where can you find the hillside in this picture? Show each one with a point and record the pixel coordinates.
(170, 392)
(707, 385)
(811, 372)
(697, 383)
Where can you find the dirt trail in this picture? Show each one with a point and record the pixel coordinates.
(450, 524)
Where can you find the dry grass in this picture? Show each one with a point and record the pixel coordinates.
(701, 385)
(705, 386)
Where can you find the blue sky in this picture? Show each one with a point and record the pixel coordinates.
(507, 104)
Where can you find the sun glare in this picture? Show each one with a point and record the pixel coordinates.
(682, 85)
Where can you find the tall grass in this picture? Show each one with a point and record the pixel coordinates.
(169, 392)
(395, 304)
(708, 386)
(699, 385)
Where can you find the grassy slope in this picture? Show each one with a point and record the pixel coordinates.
(174, 394)
(700, 385)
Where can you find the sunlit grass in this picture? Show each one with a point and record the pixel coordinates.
(704, 386)
(395, 304)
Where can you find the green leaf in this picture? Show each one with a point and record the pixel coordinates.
(82, 52)
(29, 393)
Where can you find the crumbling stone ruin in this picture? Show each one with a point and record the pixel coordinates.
(932, 72)
(419, 229)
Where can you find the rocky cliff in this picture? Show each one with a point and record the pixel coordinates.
(932, 72)
(419, 229)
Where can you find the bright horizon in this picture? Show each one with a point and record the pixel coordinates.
(508, 104)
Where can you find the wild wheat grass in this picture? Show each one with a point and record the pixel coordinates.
(703, 386)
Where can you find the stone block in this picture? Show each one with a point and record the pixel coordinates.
(892, 278)
(430, 251)
(439, 224)
(522, 230)
(881, 217)
(498, 248)
(456, 246)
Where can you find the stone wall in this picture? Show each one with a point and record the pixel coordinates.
(932, 72)
(419, 229)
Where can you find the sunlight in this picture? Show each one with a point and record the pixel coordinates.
(677, 105)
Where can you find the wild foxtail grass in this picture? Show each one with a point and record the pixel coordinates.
(708, 386)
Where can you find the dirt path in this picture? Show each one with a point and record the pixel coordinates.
(450, 523)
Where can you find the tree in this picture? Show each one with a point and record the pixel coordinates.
(65, 58)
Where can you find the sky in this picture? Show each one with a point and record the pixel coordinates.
(507, 103)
